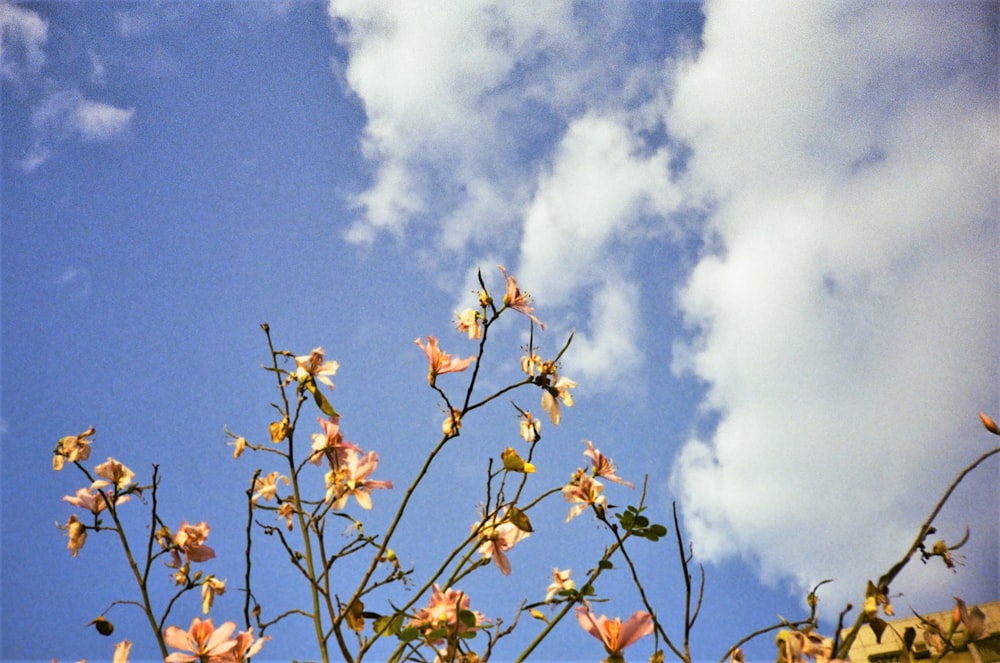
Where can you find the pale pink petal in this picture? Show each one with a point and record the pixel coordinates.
(640, 624)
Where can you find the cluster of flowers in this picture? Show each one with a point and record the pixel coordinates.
(187, 545)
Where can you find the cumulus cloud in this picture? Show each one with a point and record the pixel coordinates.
(514, 129)
(840, 159)
(432, 80)
(845, 316)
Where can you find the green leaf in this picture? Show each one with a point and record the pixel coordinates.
(320, 399)
(520, 519)
(409, 634)
(388, 624)
(605, 564)
(467, 617)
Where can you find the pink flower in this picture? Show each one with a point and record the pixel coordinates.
(531, 428)
(517, 300)
(314, 365)
(468, 322)
(496, 540)
(603, 467)
(615, 635)
(122, 650)
(552, 395)
(94, 502)
(73, 448)
(267, 487)
(441, 362)
(330, 443)
(583, 491)
(352, 479)
(442, 613)
(244, 648)
(190, 540)
(560, 581)
(115, 474)
(202, 642)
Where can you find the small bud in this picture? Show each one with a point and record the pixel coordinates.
(991, 425)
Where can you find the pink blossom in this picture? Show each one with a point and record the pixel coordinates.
(442, 613)
(190, 540)
(115, 474)
(267, 487)
(351, 478)
(94, 502)
(603, 467)
(330, 443)
(583, 491)
(202, 642)
(496, 540)
(441, 362)
(315, 365)
(517, 300)
(73, 448)
(468, 322)
(560, 581)
(552, 395)
(615, 635)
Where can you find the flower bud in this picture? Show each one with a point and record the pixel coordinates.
(103, 626)
(991, 425)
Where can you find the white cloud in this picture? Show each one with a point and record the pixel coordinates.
(66, 114)
(24, 31)
(98, 121)
(590, 210)
(848, 157)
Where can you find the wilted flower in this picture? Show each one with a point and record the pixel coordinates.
(278, 430)
(241, 444)
(612, 633)
(552, 395)
(603, 467)
(115, 473)
(190, 540)
(210, 588)
(77, 533)
(441, 362)
(496, 540)
(560, 581)
(973, 619)
(202, 642)
(583, 491)
(517, 300)
(352, 479)
(314, 365)
(468, 322)
(286, 510)
(267, 487)
(73, 448)
(452, 423)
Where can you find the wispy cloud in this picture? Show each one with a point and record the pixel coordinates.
(846, 326)
(76, 280)
(67, 114)
(23, 34)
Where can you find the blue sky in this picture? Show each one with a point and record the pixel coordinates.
(773, 228)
